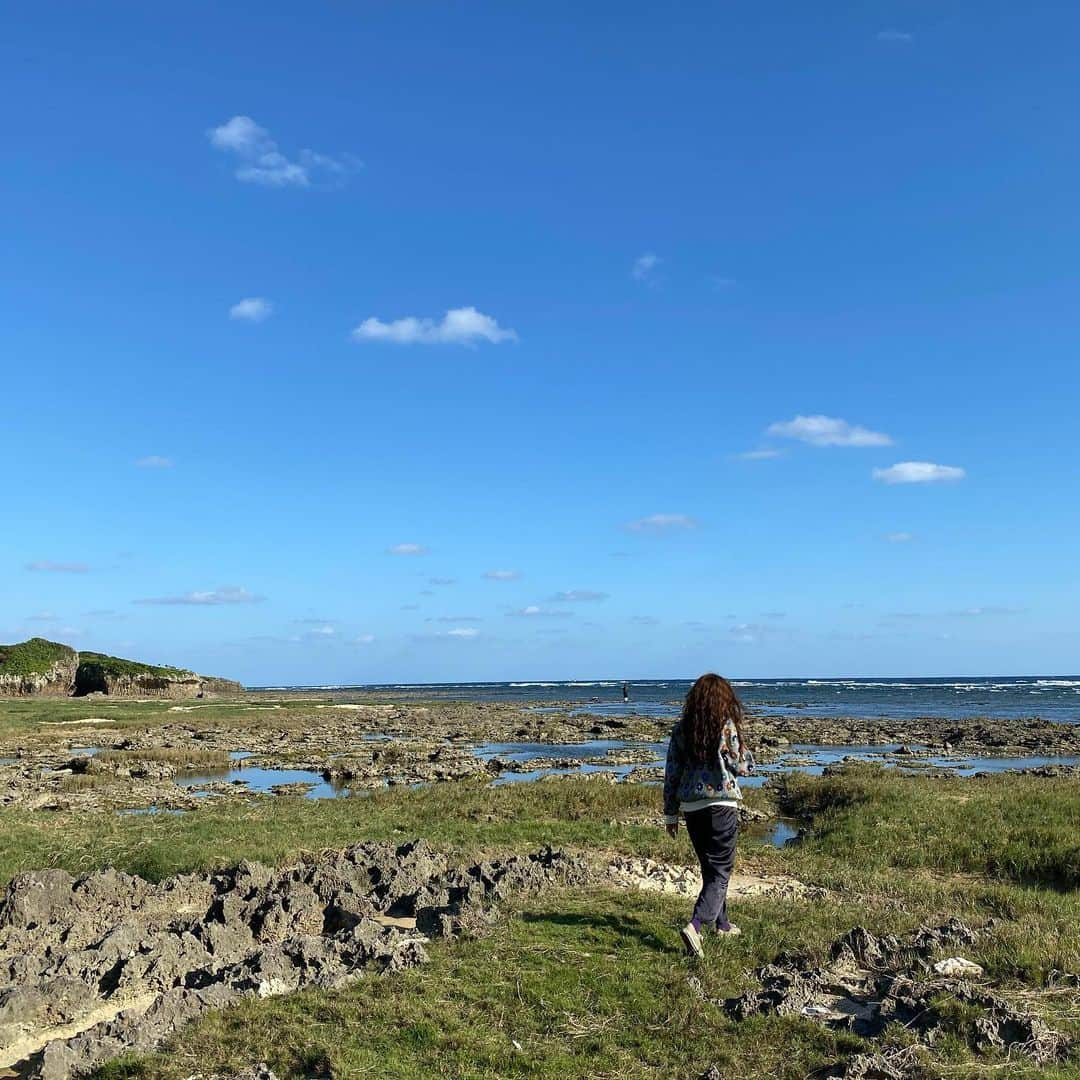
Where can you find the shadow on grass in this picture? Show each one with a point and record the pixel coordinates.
(622, 925)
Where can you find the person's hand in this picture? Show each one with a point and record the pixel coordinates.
(672, 829)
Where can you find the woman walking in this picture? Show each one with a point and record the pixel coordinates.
(706, 756)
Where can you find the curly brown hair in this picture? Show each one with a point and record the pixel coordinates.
(709, 705)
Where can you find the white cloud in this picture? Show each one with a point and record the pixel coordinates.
(325, 631)
(261, 162)
(534, 611)
(662, 523)
(502, 575)
(575, 596)
(224, 594)
(896, 36)
(978, 612)
(645, 620)
(46, 566)
(364, 639)
(644, 265)
(153, 461)
(818, 430)
(899, 537)
(442, 581)
(43, 616)
(408, 549)
(759, 455)
(462, 632)
(456, 618)
(459, 326)
(918, 472)
(252, 309)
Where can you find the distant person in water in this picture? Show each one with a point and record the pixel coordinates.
(626, 692)
(706, 756)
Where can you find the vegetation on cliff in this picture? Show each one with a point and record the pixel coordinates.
(116, 667)
(34, 657)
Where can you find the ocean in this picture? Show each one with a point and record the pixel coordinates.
(1053, 698)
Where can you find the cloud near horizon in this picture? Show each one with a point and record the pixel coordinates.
(254, 309)
(759, 455)
(223, 594)
(407, 549)
(502, 575)
(459, 326)
(534, 611)
(577, 596)
(918, 472)
(657, 523)
(261, 162)
(819, 430)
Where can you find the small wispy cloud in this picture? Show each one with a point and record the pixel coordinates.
(502, 575)
(645, 620)
(979, 612)
(534, 611)
(899, 537)
(659, 523)
(459, 326)
(442, 581)
(407, 549)
(896, 37)
(324, 631)
(644, 266)
(456, 619)
(759, 455)
(465, 632)
(918, 472)
(47, 566)
(154, 461)
(578, 596)
(364, 639)
(818, 430)
(224, 594)
(260, 161)
(252, 309)
(43, 616)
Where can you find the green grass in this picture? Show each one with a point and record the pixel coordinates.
(33, 657)
(1005, 827)
(591, 983)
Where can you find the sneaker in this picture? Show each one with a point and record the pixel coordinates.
(728, 930)
(692, 941)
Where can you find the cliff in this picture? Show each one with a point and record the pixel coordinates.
(37, 667)
(112, 675)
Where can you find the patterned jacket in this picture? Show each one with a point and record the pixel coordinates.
(693, 785)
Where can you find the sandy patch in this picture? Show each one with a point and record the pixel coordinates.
(69, 723)
(246, 708)
(650, 876)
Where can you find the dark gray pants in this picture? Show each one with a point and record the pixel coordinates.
(713, 832)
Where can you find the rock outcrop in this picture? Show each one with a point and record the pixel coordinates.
(46, 668)
(37, 667)
(91, 967)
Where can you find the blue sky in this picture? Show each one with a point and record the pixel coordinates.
(380, 342)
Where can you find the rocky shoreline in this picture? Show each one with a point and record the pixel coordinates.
(144, 754)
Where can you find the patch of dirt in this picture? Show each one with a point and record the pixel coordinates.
(91, 967)
(632, 873)
(870, 982)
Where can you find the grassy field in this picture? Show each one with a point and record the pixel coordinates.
(592, 983)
